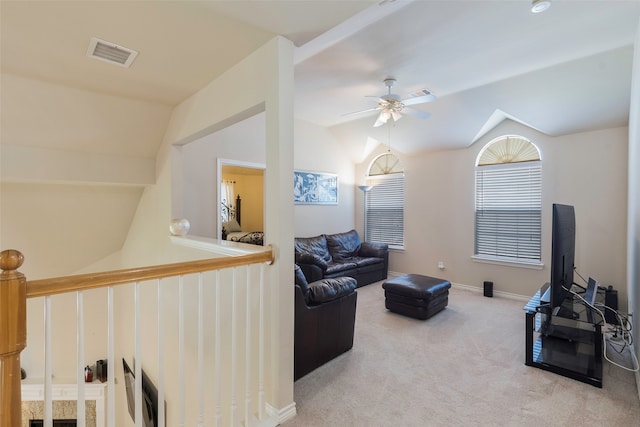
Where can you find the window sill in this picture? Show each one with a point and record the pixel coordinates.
(535, 265)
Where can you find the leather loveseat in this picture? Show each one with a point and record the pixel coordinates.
(325, 314)
(342, 254)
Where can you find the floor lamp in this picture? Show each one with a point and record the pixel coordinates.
(365, 189)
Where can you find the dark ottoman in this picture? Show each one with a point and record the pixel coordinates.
(416, 296)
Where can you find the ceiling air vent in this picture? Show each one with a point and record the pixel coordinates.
(110, 52)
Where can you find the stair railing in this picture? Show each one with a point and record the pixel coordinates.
(15, 289)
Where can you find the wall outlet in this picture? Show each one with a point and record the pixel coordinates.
(441, 265)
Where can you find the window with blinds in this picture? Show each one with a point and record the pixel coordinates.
(508, 214)
(384, 211)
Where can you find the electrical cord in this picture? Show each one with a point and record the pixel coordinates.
(627, 337)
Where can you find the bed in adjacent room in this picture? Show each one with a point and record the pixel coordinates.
(232, 229)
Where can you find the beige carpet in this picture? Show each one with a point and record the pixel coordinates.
(463, 367)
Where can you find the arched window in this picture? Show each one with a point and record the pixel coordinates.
(384, 201)
(508, 208)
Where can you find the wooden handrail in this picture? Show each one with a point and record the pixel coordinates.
(15, 289)
(83, 282)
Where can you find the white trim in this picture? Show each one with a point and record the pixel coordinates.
(477, 289)
(362, 19)
(534, 265)
(280, 415)
(221, 247)
(503, 294)
(637, 373)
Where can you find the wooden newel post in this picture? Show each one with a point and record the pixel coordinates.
(13, 336)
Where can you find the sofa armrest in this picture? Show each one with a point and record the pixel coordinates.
(311, 272)
(309, 258)
(326, 290)
(374, 249)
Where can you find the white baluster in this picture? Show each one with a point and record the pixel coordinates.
(217, 371)
(200, 351)
(161, 420)
(261, 403)
(247, 368)
(181, 377)
(111, 370)
(48, 389)
(138, 356)
(234, 351)
(80, 408)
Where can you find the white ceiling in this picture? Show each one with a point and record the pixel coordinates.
(565, 70)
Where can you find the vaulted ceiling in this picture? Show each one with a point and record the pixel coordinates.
(562, 71)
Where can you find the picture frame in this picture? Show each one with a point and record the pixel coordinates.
(315, 188)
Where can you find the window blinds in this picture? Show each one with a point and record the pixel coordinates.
(508, 212)
(385, 210)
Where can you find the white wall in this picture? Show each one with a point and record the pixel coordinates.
(264, 80)
(61, 228)
(316, 149)
(250, 188)
(586, 170)
(71, 180)
(243, 141)
(633, 239)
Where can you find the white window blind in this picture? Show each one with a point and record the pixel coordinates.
(509, 212)
(385, 210)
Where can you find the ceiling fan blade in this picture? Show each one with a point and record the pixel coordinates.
(362, 111)
(382, 118)
(420, 99)
(416, 113)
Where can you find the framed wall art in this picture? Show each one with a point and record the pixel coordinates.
(315, 188)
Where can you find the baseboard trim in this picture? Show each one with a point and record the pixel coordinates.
(283, 414)
(637, 373)
(503, 294)
(477, 289)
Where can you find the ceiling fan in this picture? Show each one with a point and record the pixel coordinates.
(391, 105)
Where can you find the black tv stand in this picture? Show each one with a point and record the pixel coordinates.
(566, 341)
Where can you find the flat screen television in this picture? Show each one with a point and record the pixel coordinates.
(149, 397)
(563, 242)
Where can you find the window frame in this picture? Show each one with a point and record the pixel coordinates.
(396, 242)
(527, 218)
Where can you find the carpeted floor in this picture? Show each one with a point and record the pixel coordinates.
(463, 367)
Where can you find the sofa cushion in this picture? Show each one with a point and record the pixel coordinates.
(312, 248)
(343, 246)
(330, 289)
(338, 267)
(362, 269)
(363, 262)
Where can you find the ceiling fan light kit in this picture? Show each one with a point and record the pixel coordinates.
(391, 105)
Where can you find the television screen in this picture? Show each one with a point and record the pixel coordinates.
(563, 240)
(149, 397)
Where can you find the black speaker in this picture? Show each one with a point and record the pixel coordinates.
(611, 301)
(101, 370)
(488, 289)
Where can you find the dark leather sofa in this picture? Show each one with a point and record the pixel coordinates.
(325, 314)
(342, 254)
